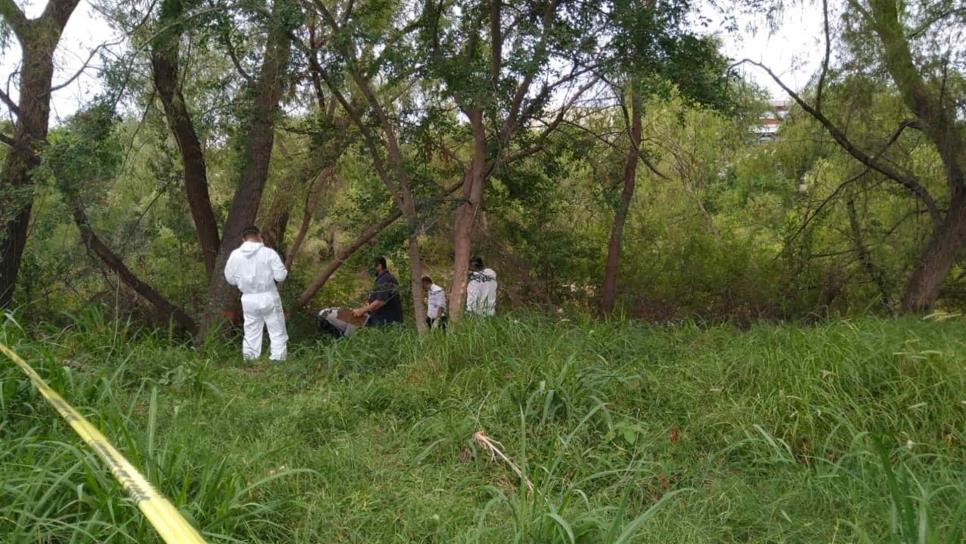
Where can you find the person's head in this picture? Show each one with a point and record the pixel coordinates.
(251, 234)
(476, 264)
(427, 282)
(379, 263)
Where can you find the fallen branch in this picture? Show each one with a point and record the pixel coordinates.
(113, 262)
(493, 447)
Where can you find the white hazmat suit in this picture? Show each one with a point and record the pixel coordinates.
(254, 269)
(481, 292)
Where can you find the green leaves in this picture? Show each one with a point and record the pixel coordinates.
(85, 153)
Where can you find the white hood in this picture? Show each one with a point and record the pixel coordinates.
(249, 249)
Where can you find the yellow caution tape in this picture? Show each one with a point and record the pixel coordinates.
(165, 518)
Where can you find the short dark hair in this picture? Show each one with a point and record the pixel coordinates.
(380, 261)
(250, 230)
(476, 262)
(427, 279)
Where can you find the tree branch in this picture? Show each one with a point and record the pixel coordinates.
(343, 255)
(905, 179)
(524, 86)
(553, 125)
(59, 12)
(647, 162)
(112, 261)
(857, 177)
(15, 17)
(234, 58)
(921, 29)
(87, 62)
(310, 206)
(11, 105)
(939, 120)
(828, 51)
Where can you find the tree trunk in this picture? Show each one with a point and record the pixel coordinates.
(38, 40)
(937, 115)
(273, 231)
(473, 184)
(416, 283)
(312, 201)
(408, 208)
(937, 259)
(112, 261)
(223, 299)
(165, 52)
(612, 266)
(403, 196)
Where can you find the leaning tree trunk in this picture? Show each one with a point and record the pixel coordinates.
(473, 184)
(165, 52)
(937, 259)
(611, 267)
(309, 209)
(343, 253)
(223, 299)
(38, 40)
(116, 264)
(937, 116)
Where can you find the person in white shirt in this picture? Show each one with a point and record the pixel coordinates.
(481, 289)
(435, 304)
(255, 269)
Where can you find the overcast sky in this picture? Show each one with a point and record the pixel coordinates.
(792, 51)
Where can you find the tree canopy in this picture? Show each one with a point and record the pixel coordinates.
(602, 156)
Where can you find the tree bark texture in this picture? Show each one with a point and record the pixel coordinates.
(165, 68)
(38, 40)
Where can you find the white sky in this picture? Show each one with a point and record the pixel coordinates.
(793, 52)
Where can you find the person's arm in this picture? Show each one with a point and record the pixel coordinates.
(230, 270)
(278, 267)
(369, 308)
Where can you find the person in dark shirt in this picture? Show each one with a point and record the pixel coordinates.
(384, 307)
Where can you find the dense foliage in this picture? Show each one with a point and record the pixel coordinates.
(508, 133)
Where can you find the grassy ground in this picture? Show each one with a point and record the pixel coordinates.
(851, 431)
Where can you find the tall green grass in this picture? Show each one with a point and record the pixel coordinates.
(850, 431)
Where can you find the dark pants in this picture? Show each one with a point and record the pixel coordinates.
(381, 323)
(441, 322)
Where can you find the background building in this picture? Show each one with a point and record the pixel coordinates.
(770, 120)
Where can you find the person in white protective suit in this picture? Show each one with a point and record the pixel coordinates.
(255, 269)
(435, 304)
(481, 289)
